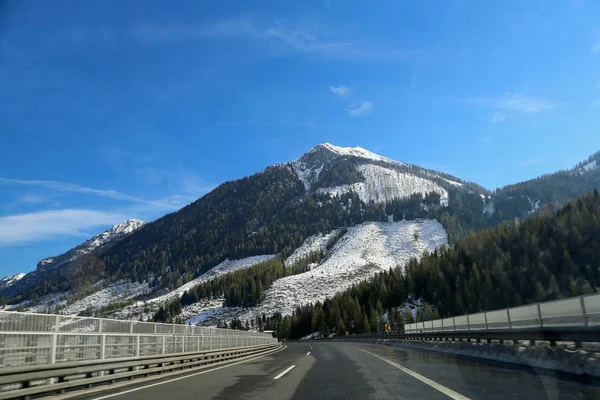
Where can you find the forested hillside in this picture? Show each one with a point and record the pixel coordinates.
(274, 211)
(551, 255)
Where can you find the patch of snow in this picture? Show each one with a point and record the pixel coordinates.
(590, 166)
(534, 206)
(135, 310)
(453, 183)
(365, 250)
(11, 280)
(358, 152)
(314, 335)
(306, 174)
(311, 244)
(212, 316)
(382, 185)
(199, 312)
(118, 292)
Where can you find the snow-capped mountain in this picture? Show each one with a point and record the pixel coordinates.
(8, 281)
(48, 268)
(390, 210)
(112, 234)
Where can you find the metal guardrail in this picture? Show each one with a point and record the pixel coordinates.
(580, 311)
(53, 378)
(550, 336)
(38, 339)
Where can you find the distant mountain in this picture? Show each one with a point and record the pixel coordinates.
(111, 235)
(523, 199)
(59, 265)
(275, 211)
(10, 280)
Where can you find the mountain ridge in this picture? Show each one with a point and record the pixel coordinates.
(274, 211)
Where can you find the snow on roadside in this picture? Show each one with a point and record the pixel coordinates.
(311, 244)
(365, 250)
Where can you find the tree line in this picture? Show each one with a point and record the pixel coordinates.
(552, 255)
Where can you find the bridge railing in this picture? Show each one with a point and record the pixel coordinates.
(35, 339)
(580, 311)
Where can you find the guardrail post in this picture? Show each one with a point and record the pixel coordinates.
(486, 323)
(163, 345)
(198, 346)
(137, 346)
(540, 315)
(131, 327)
(583, 312)
(183, 344)
(508, 316)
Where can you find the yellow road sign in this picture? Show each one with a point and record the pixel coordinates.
(388, 328)
(347, 334)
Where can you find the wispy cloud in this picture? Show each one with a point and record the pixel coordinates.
(595, 104)
(498, 118)
(32, 199)
(303, 35)
(73, 188)
(363, 108)
(529, 163)
(596, 47)
(23, 228)
(516, 102)
(340, 90)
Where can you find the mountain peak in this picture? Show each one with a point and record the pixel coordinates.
(113, 233)
(126, 226)
(309, 166)
(353, 152)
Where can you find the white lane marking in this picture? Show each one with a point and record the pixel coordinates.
(308, 353)
(187, 376)
(284, 372)
(437, 386)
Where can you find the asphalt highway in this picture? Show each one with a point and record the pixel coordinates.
(318, 370)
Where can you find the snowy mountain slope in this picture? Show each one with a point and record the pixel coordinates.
(112, 234)
(382, 185)
(136, 310)
(358, 152)
(365, 250)
(590, 166)
(11, 280)
(57, 266)
(312, 244)
(113, 293)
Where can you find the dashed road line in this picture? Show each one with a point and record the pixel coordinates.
(284, 372)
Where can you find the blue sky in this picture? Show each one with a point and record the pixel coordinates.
(124, 109)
